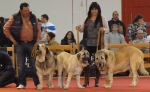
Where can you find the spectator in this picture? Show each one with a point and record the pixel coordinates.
(115, 20)
(46, 25)
(114, 37)
(140, 39)
(51, 42)
(136, 24)
(8, 75)
(24, 31)
(68, 39)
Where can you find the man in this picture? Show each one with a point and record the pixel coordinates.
(24, 32)
(7, 70)
(140, 39)
(115, 20)
(46, 25)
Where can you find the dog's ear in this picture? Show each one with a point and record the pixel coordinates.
(106, 57)
(78, 55)
(47, 50)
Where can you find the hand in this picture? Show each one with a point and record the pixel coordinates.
(14, 42)
(78, 28)
(101, 29)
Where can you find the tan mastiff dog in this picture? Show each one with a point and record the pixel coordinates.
(45, 65)
(71, 65)
(127, 58)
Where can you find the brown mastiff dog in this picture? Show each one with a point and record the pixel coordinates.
(127, 58)
(71, 65)
(45, 65)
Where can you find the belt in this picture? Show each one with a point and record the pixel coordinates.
(27, 41)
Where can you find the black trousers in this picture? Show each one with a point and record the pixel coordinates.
(7, 77)
(92, 51)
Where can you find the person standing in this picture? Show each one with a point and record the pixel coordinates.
(24, 32)
(115, 20)
(94, 23)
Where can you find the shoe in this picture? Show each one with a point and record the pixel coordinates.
(21, 86)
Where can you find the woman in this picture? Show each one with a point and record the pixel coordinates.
(68, 39)
(51, 42)
(91, 27)
(136, 24)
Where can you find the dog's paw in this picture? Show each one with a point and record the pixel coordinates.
(132, 84)
(51, 86)
(60, 86)
(107, 86)
(80, 86)
(66, 87)
(39, 86)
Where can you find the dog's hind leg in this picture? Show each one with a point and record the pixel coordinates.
(63, 78)
(68, 80)
(60, 69)
(134, 68)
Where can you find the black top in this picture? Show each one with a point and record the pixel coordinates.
(118, 22)
(5, 60)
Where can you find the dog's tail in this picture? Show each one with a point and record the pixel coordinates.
(142, 68)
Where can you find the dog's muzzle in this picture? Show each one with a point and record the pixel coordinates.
(85, 60)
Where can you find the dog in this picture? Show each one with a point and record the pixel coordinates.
(71, 65)
(45, 65)
(127, 58)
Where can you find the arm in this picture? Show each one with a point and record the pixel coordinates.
(105, 25)
(122, 40)
(6, 30)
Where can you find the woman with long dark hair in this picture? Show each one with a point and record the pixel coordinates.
(94, 23)
(136, 24)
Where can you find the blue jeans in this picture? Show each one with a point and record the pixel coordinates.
(22, 50)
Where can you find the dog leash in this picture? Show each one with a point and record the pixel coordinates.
(33, 53)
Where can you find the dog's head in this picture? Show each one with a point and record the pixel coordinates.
(42, 49)
(101, 58)
(83, 56)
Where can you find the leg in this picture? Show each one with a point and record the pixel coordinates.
(135, 77)
(60, 69)
(78, 81)
(50, 79)
(97, 77)
(109, 79)
(68, 80)
(40, 76)
(8, 77)
(29, 47)
(20, 52)
(86, 74)
(63, 78)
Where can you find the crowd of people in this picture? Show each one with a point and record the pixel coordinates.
(24, 30)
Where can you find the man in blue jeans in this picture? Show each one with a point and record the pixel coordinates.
(24, 31)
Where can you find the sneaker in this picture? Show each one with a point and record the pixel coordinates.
(21, 86)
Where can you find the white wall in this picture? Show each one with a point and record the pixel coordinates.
(64, 14)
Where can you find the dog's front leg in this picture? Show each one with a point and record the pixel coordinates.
(109, 79)
(78, 81)
(40, 76)
(68, 80)
(50, 80)
(60, 69)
